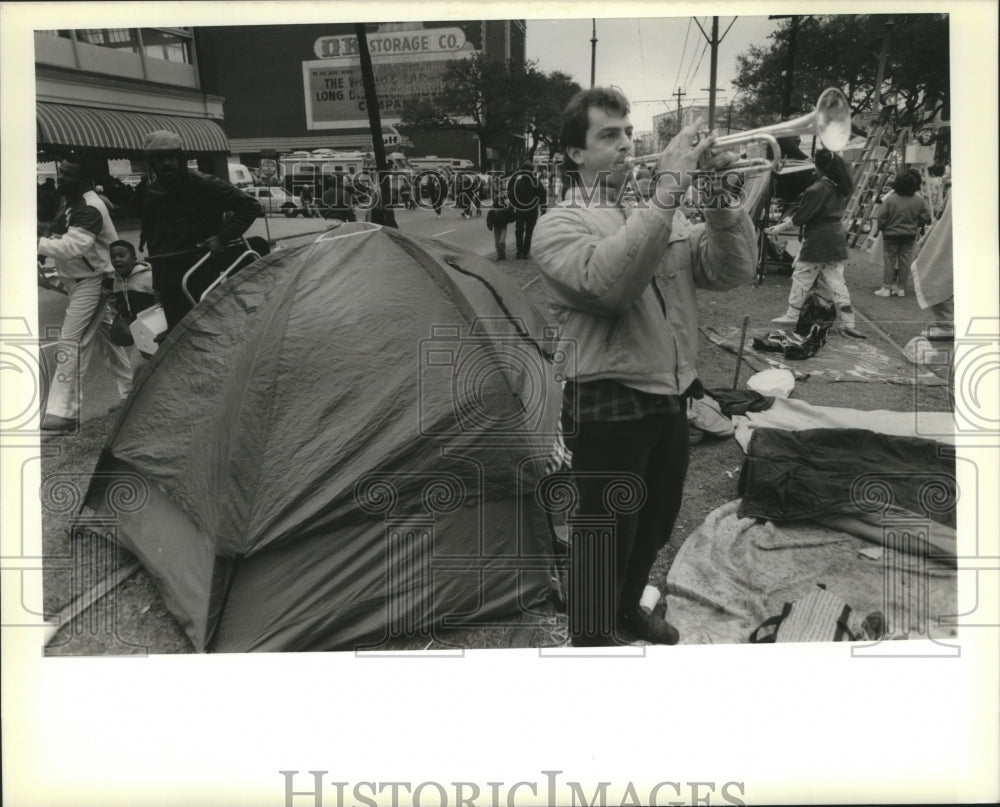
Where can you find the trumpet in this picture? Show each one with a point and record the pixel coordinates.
(829, 122)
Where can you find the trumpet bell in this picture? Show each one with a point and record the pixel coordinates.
(833, 119)
(829, 122)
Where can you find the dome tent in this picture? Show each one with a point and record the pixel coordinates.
(339, 444)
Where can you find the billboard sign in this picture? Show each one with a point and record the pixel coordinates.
(408, 64)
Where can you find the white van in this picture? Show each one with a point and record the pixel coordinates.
(240, 175)
(431, 163)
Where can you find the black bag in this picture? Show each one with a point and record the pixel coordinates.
(120, 333)
(815, 320)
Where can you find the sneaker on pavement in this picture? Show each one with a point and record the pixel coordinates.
(785, 319)
(850, 330)
(899, 293)
(883, 292)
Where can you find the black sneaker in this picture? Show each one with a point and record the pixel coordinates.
(650, 628)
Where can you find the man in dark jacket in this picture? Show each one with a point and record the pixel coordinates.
(184, 214)
(527, 197)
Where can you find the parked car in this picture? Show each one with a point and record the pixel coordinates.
(272, 199)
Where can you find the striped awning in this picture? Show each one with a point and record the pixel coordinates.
(115, 130)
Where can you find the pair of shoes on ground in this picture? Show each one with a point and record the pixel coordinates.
(55, 425)
(887, 292)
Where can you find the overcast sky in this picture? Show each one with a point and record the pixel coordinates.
(647, 57)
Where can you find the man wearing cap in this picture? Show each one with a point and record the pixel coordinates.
(78, 240)
(183, 214)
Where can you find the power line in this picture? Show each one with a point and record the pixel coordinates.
(683, 53)
(691, 62)
(694, 71)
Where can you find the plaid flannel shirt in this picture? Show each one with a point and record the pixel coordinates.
(612, 400)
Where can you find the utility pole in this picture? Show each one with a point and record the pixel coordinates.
(713, 73)
(388, 218)
(593, 51)
(714, 40)
(680, 122)
(793, 30)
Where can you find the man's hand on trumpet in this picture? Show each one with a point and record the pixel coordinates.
(688, 160)
(686, 154)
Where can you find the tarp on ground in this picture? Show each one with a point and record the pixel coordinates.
(340, 444)
(732, 573)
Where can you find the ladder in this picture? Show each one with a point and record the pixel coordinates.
(876, 164)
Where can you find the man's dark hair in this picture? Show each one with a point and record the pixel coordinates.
(576, 120)
(127, 244)
(936, 170)
(905, 184)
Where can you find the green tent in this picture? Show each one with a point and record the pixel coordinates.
(340, 444)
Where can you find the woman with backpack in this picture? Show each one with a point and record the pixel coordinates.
(820, 211)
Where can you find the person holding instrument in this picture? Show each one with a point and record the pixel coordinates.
(820, 210)
(623, 282)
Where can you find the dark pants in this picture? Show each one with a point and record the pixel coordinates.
(524, 226)
(500, 241)
(615, 538)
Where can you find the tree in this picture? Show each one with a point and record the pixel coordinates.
(478, 94)
(843, 51)
(548, 95)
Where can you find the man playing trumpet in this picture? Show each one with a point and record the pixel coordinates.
(623, 282)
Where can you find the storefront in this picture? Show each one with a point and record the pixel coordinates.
(99, 92)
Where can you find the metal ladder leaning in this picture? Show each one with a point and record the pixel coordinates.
(876, 164)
